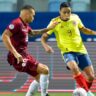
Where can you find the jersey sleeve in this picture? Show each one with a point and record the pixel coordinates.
(13, 27)
(51, 31)
(80, 24)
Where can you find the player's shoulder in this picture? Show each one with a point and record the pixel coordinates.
(14, 24)
(74, 16)
(16, 21)
(55, 19)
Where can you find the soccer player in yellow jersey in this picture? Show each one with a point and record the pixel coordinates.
(70, 43)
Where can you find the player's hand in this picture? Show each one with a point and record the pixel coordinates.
(48, 49)
(53, 25)
(18, 57)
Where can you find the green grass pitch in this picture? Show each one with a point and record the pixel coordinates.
(38, 94)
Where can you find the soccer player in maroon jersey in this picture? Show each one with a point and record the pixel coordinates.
(15, 38)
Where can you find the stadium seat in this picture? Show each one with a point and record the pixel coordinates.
(80, 5)
(9, 5)
(54, 5)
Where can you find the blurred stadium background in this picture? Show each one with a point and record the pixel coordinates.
(60, 78)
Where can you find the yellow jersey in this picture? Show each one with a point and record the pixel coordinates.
(68, 35)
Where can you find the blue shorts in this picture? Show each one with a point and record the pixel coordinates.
(83, 60)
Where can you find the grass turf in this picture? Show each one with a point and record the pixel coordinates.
(38, 94)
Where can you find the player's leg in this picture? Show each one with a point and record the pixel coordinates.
(41, 73)
(43, 70)
(35, 84)
(37, 78)
(33, 88)
(71, 60)
(89, 72)
(86, 65)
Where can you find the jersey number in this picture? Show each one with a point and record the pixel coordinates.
(69, 33)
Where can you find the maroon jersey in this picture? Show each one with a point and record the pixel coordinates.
(19, 40)
(20, 30)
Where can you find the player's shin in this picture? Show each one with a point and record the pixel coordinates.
(44, 81)
(81, 81)
(32, 88)
(89, 84)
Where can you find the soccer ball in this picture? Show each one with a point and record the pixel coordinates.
(79, 92)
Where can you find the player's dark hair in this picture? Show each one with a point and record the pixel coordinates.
(27, 7)
(64, 4)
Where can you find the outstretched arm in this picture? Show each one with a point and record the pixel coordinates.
(41, 31)
(87, 31)
(38, 32)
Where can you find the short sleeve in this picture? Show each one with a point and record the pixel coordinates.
(13, 27)
(51, 31)
(80, 24)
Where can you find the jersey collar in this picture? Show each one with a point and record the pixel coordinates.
(23, 21)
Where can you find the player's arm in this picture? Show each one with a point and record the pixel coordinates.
(87, 31)
(47, 47)
(44, 38)
(83, 29)
(7, 42)
(41, 31)
(38, 32)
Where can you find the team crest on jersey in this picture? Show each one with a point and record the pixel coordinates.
(11, 26)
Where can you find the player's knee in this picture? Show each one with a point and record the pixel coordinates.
(75, 70)
(73, 66)
(46, 70)
(42, 69)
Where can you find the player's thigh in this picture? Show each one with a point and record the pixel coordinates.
(72, 65)
(31, 65)
(42, 69)
(89, 72)
(86, 66)
(84, 61)
(71, 60)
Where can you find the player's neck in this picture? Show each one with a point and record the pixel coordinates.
(63, 19)
(23, 19)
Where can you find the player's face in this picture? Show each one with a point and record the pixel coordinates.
(65, 13)
(30, 15)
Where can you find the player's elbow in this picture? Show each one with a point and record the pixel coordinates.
(6, 34)
(44, 36)
(3, 37)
